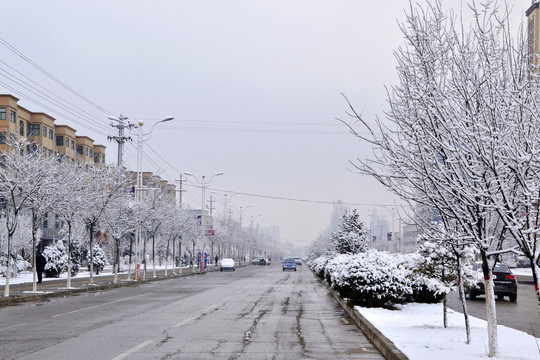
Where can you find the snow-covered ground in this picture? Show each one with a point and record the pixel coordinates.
(522, 271)
(27, 277)
(417, 330)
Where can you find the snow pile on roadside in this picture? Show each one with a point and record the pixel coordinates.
(417, 330)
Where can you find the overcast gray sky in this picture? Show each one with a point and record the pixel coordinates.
(254, 87)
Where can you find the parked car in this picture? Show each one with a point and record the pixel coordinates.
(523, 263)
(298, 260)
(504, 282)
(226, 264)
(289, 264)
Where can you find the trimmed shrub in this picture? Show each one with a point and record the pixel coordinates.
(370, 279)
(56, 259)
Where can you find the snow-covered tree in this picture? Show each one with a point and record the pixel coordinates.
(99, 260)
(119, 222)
(351, 236)
(71, 202)
(462, 136)
(100, 188)
(20, 177)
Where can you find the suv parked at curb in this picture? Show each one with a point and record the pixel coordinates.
(504, 282)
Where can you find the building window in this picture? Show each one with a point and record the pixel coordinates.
(3, 137)
(50, 134)
(32, 149)
(72, 144)
(33, 130)
(21, 128)
(50, 153)
(45, 222)
(60, 140)
(12, 138)
(2, 113)
(44, 131)
(12, 116)
(79, 150)
(90, 153)
(96, 158)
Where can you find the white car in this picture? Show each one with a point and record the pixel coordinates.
(226, 264)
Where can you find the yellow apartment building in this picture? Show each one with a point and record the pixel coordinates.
(85, 149)
(99, 155)
(533, 32)
(16, 122)
(65, 141)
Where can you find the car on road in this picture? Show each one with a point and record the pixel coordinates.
(289, 264)
(298, 260)
(260, 261)
(504, 282)
(226, 264)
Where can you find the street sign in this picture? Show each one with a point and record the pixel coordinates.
(209, 232)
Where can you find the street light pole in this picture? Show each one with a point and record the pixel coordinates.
(138, 188)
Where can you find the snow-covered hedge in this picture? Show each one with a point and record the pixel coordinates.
(57, 258)
(378, 278)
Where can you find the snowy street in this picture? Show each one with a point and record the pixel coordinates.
(254, 312)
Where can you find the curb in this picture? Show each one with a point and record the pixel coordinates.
(385, 346)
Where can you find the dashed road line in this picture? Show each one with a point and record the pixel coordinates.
(133, 350)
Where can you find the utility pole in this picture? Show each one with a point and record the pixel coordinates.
(121, 138)
(180, 191)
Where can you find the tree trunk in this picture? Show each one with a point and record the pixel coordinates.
(116, 260)
(130, 252)
(144, 258)
(535, 272)
(167, 254)
(68, 285)
(8, 268)
(91, 238)
(461, 290)
(34, 270)
(491, 313)
(154, 254)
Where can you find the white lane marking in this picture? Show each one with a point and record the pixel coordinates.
(227, 298)
(210, 308)
(184, 322)
(133, 350)
(13, 326)
(103, 304)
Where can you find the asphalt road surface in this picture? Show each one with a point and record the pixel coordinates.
(256, 312)
(521, 315)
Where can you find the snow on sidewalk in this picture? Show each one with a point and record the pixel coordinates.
(417, 330)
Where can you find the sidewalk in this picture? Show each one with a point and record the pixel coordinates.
(21, 290)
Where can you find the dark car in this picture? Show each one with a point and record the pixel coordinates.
(523, 263)
(289, 264)
(504, 282)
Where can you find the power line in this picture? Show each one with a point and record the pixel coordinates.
(52, 77)
(300, 200)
